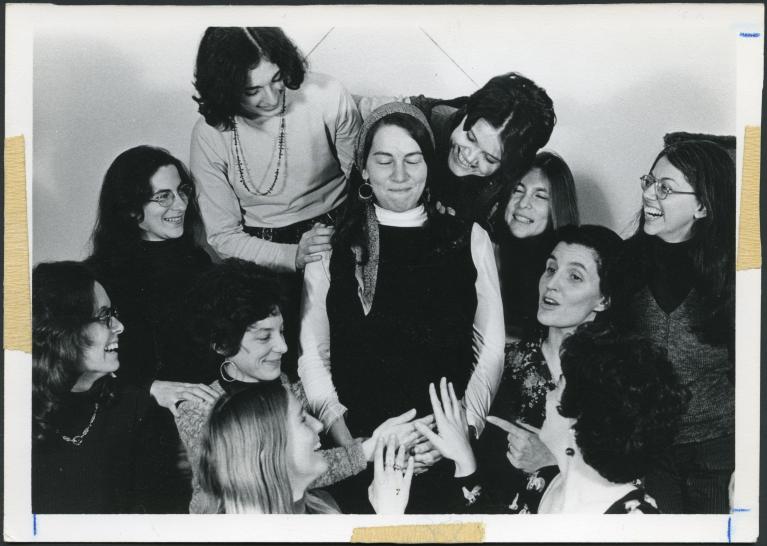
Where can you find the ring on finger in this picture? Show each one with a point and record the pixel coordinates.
(397, 467)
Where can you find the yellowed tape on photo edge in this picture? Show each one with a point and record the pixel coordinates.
(17, 311)
(447, 533)
(749, 240)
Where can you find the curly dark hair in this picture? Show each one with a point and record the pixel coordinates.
(625, 398)
(229, 298)
(225, 56)
(127, 187)
(62, 306)
(610, 259)
(524, 113)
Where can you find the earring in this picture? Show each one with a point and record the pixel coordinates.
(222, 371)
(365, 191)
(570, 452)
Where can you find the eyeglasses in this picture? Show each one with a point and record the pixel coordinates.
(107, 317)
(166, 198)
(662, 189)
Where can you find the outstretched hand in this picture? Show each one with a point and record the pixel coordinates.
(526, 451)
(169, 394)
(452, 436)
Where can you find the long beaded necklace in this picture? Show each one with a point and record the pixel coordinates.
(242, 165)
(78, 440)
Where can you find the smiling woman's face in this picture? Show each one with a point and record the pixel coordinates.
(476, 152)
(529, 208)
(395, 169)
(261, 350)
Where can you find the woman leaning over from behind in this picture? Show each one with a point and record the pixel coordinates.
(236, 308)
(486, 142)
(684, 300)
(270, 155)
(541, 201)
(581, 282)
(259, 454)
(408, 295)
(90, 444)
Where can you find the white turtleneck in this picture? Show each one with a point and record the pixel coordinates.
(410, 218)
(314, 364)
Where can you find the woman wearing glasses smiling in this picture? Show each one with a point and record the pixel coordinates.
(145, 255)
(89, 433)
(684, 300)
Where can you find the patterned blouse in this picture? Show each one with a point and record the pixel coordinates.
(521, 397)
(342, 461)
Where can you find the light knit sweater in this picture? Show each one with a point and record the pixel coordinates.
(321, 126)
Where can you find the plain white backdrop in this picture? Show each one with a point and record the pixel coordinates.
(110, 81)
(85, 83)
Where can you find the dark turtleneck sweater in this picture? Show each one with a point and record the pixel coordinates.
(113, 470)
(149, 290)
(521, 263)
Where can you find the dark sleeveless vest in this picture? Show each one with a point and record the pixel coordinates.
(419, 328)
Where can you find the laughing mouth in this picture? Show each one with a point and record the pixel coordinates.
(175, 220)
(652, 212)
(522, 219)
(547, 301)
(461, 160)
(111, 348)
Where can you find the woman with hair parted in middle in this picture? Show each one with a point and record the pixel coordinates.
(93, 445)
(684, 299)
(407, 296)
(259, 454)
(541, 201)
(236, 316)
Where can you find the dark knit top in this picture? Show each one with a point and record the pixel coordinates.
(521, 263)
(474, 198)
(149, 290)
(704, 368)
(419, 328)
(112, 471)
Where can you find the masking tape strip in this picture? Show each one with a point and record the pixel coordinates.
(749, 240)
(17, 310)
(447, 533)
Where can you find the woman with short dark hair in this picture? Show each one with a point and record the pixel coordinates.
(237, 317)
(614, 411)
(684, 299)
(91, 449)
(486, 142)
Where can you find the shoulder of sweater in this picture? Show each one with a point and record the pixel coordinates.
(203, 131)
(319, 82)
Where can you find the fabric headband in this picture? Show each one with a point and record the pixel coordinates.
(381, 112)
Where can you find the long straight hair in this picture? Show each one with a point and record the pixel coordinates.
(709, 169)
(243, 457)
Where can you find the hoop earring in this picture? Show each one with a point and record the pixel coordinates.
(365, 191)
(569, 452)
(222, 371)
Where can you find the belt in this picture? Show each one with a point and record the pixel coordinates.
(291, 235)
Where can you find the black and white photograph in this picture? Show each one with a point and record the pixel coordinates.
(385, 265)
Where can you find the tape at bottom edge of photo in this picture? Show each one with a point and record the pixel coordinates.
(446, 533)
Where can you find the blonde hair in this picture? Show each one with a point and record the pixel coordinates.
(243, 455)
